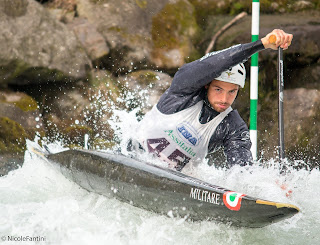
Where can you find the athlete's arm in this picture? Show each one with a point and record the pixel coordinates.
(195, 75)
(192, 77)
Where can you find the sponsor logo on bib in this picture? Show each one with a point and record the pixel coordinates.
(188, 133)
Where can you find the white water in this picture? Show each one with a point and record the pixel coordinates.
(39, 202)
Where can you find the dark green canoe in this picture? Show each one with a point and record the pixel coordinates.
(166, 191)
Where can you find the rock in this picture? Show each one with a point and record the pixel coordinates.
(39, 48)
(301, 69)
(64, 111)
(305, 48)
(90, 38)
(301, 5)
(146, 87)
(12, 144)
(22, 109)
(301, 116)
(308, 75)
(172, 32)
(300, 60)
(64, 11)
(208, 8)
(129, 39)
(72, 112)
(126, 26)
(143, 34)
(62, 15)
(12, 136)
(9, 162)
(20, 119)
(301, 105)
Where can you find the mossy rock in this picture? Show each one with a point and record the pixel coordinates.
(12, 136)
(104, 82)
(172, 23)
(102, 144)
(206, 9)
(142, 3)
(75, 139)
(10, 161)
(145, 76)
(26, 103)
(214, 7)
(309, 133)
(74, 135)
(99, 1)
(21, 100)
(173, 30)
(66, 131)
(302, 141)
(15, 8)
(82, 109)
(12, 70)
(68, 6)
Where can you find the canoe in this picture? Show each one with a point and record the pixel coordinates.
(165, 191)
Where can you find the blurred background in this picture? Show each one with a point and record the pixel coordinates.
(66, 65)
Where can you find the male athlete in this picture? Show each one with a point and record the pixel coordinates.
(194, 116)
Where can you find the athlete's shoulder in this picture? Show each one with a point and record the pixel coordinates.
(234, 116)
(235, 120)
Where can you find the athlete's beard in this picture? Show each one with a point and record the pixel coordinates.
(215, 106)
(220, 107)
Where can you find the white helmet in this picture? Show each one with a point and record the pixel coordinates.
(236, 75)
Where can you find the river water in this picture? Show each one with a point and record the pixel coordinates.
(39, 205)
(38, 202)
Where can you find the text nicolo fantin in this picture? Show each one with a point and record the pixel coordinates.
(23, 238)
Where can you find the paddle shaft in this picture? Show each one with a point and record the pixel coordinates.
(280, 105)
(272, 39)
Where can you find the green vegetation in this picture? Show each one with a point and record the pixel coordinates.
(12, 136)
(26, 103)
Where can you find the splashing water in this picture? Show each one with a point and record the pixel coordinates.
(38, 202)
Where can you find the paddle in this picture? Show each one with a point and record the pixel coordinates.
(272, 39)
(283, 168)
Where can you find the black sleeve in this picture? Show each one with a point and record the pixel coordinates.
(233, 135)
(192, 77)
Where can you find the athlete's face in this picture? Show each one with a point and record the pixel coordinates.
(221, 94)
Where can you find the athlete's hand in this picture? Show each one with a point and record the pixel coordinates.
(284, 186)
(277, 38)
